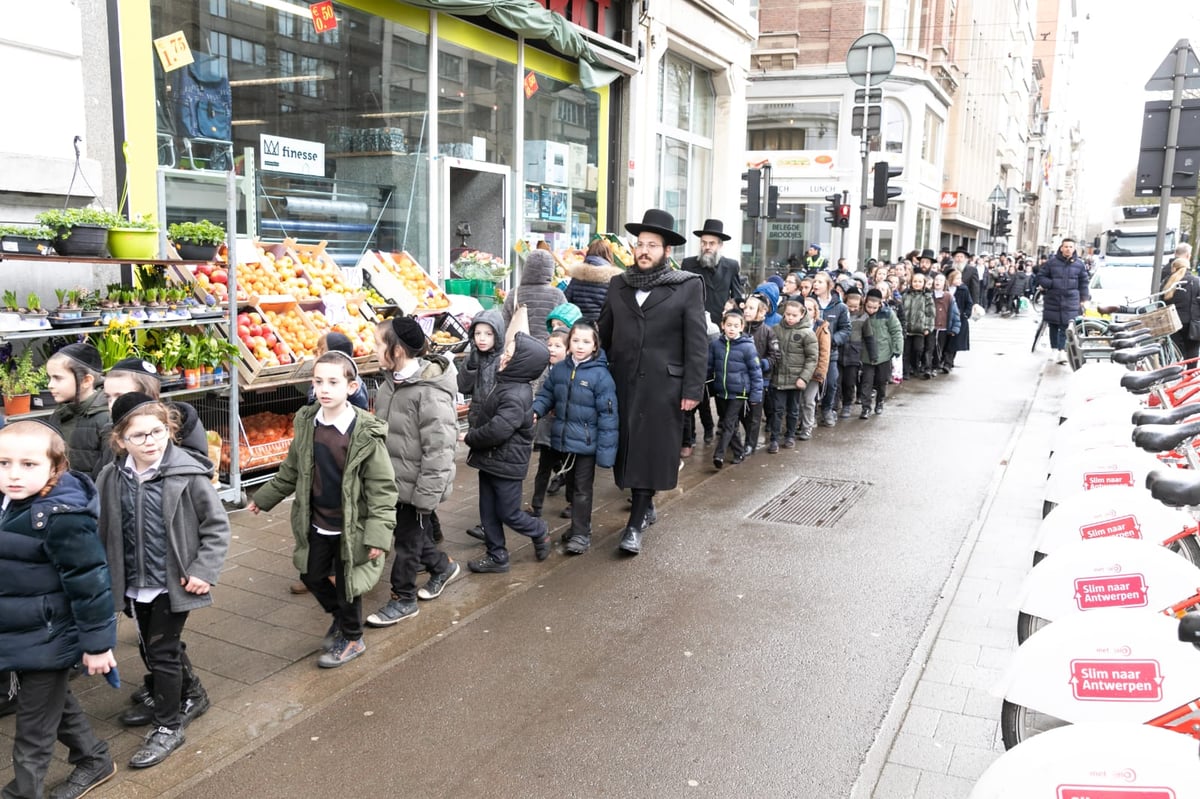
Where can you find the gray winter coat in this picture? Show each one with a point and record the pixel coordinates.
(422, 431)
(535, 293)
(197, 526)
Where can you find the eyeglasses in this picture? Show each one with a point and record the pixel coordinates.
(647, 245)
(140, 439)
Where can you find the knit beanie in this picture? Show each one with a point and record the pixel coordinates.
(83, 354)
(568, 313)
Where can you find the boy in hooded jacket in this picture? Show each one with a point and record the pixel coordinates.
(535, 293)
(501, 444)
(735, 378)
(852, 355)
(793, 379)
(477, 376)
(766, 344)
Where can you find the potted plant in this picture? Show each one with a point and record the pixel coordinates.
(10, 317)
(26, 239)
(89, 304)
(79, 231)
(33, 310)
(68, 311)
(19, 382)
(168, 355)
(222, 355)
(193, 358)
(115, 343)
(134, 239)
(196, 241)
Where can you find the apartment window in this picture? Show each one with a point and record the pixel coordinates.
(891, 137)
(687, 117)
(218, 47)
(450, 67)
(413, 55)
(218, 8)
(799, 125)
(287, 67)
(310, 68)
(247, 52)
(687, 97)
(873, 16)
(931, 141)
(925, 218)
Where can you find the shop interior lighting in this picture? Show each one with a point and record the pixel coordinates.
(237, 122)
(272, 81)
(282, 5)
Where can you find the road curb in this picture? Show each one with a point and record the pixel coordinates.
(877, 756)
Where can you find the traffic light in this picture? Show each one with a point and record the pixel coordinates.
(1003, 224)
(833, 208)
(772, 201)
(883, 192)
(843, 216)
(753, 179)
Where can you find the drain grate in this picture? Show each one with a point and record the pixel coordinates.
(812, 502)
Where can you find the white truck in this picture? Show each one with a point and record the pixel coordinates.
(1126, 252)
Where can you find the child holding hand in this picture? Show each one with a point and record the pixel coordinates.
(81, 416)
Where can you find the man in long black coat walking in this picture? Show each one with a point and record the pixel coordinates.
(652, 329)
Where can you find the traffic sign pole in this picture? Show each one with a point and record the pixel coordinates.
(1182, 50)
(869, 61)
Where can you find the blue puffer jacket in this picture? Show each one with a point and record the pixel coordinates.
(1066, 286)
(55, 594)
(583, 399)
(733, 369)
(770, 292)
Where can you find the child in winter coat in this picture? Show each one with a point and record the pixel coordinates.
(945, 325)
(550, 459)
(165, 533)
(416, 401)
(131, 375)
(82, 412)
(334, 341)
(581, 394)
(58, 608)
(793, 379)
(589, 280)
(766, 344)
(824, 346)
(500, 448)
(918, 313)
(887, 341)
(735, 378)
(478, 375)
(345, 509)
(535, 293)
(852, 355)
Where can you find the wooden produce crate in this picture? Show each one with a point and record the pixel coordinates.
(299, 335)
(253, 371)
(399, 278)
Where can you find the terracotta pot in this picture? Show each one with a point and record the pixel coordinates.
(17, 405)
(191, 377)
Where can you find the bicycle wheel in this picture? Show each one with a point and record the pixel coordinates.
(1036, 299)
(1019, 723)
(1188, 547)
(1028, 624)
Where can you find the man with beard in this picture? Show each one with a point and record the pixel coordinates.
(970, 274)
(652, 329)
(721, 284)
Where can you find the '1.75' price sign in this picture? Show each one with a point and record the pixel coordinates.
(173, 51)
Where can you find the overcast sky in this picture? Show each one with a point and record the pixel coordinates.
(1121, 44)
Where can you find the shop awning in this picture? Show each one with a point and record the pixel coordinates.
(532, 20)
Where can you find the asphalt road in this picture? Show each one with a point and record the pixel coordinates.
(732, 658)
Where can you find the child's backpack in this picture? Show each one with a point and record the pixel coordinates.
(203, 102)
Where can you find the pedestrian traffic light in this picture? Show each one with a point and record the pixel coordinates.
(843, 216)
(1003, 224)
(833, 208)
(753, 179)
(883, 192)
(772, 201)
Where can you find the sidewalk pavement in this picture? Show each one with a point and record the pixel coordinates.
(943, 729)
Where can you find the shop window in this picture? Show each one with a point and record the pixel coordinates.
(687, 98)
(684, 143)
(893, 129)
(474, 92)
(799, 125)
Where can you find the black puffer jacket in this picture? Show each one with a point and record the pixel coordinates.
(535, 293)
(1066, 286)
(589, 285)
(55, 593)
(477, 372)
(502, 443)
(84, 426)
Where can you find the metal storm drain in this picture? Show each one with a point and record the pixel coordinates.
(811, 502)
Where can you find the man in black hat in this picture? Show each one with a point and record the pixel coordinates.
(925, 262)
(653, 331)
(722, 282)
(970, 275)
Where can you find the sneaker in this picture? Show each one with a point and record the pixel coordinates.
(866, 413)
(85, 778)
(773, 448)
(394, 611)
(826, 419)
(344, 652)
(805, 434)
(718, 463)
(578, 544)
(535, 512)
(736, 459)
(789, 442)
(331, 636)
(438, 582)
(157, 747)
(709, 435)
(556, 485)
(845, 412)
(565, 513)
(541, 544)
(488, 565)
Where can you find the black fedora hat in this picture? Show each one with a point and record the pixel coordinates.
(928, 255)
(656, 220)
(961, 249)
(713, 227)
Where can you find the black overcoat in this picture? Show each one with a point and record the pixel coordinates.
(657, 354)
(720, 283)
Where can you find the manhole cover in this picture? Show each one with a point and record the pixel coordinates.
(812, 502)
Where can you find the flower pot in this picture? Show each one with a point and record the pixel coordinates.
(83, 240)
(17, 405)
(172, 379)
(206, 376)
(196, 252)
(23, 245)
(133, 243)
(191, 378)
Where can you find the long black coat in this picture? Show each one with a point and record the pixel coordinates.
(658, 354)
(1066, 285)
(720, 283)
(965, 301)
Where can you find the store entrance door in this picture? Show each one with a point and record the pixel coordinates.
(474, 208)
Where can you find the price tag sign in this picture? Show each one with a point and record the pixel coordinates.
(335, 309)
(323, 18)
(173, 51)
(531, 85)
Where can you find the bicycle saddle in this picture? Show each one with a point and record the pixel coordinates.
(1131, 332)
(1189, 628)
(1164, 437)
(1168, 416)
(1128, 357)
(1141, 382)
(1175, 487)
(1123, 343)
(1128, 324)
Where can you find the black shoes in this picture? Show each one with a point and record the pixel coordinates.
(157, 747)
(650, 518)
(541, 544)
(476, 532)
(709, 435)
(736, 459)
(193, 707)
(866, 412)
(556, 485)
(718, 463)
(773, 448)
(565, 513)
(139, 715)
(84, 778)
(488, 565)
(578, 544)
(878, 407)
(631, 541)
(437, 582)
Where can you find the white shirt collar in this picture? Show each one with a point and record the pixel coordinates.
(408, 371)
(342, 422)
(148, 472)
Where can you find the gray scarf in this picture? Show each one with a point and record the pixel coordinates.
(659, 276)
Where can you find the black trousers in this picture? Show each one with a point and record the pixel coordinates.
(584, 473)
(787, 401)
(414, 545)
(500, 505)
(549, 461)
(729, 412)
(704, 409)
(874, 380)
(914, 355)
(752, 416)
(849, 384)
(324, 561)
(159, 630)
(47, 711)
(937, 358)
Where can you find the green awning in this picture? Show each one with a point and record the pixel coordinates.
(533, 21)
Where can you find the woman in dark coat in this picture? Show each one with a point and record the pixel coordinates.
(590, 279)
(1064, 277)
(1182, 289)
(961, 342)
(657, 352)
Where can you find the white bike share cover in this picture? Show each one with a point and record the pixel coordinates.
(1109, 512)
(1096, 468)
